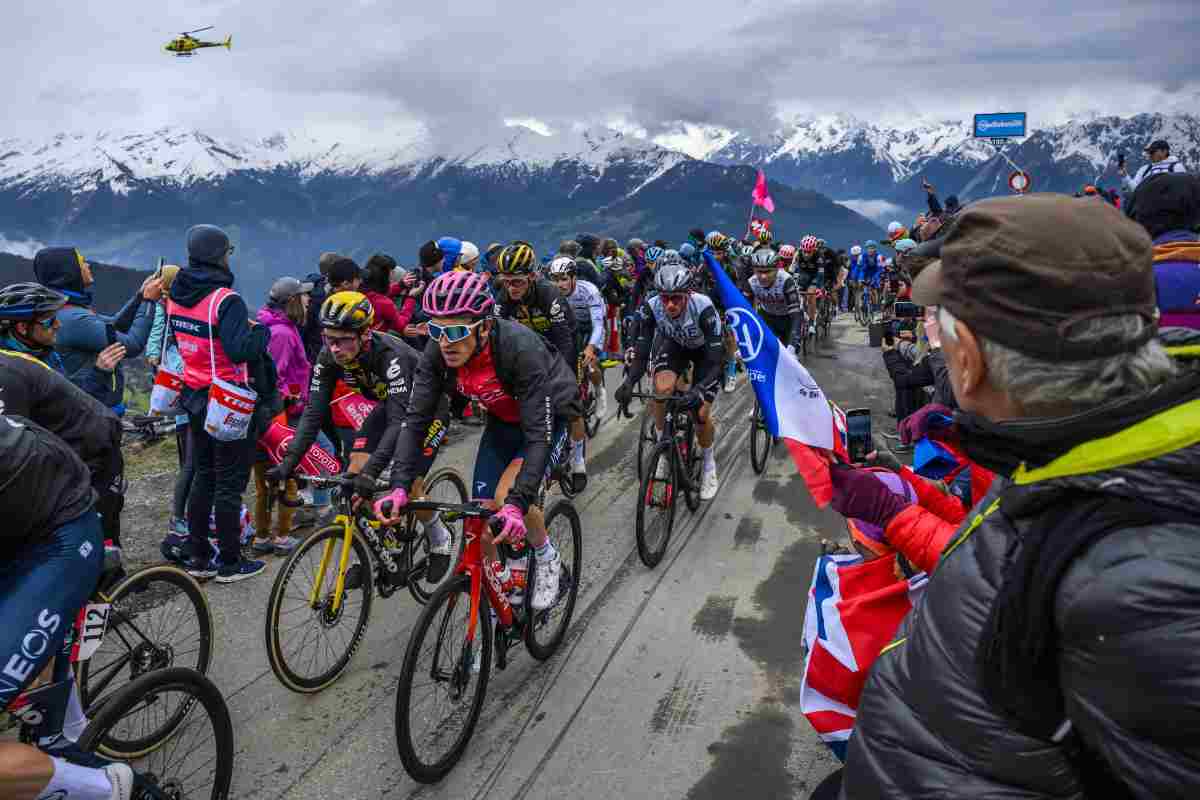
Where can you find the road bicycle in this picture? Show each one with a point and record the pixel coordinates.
(656, 500)
(468, 621)
(320, 603)
(761, 440)
(168, 721)
(145, 430)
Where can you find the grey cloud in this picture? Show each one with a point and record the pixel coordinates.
(463, 66)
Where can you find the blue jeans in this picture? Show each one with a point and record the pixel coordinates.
(321, 496)
(41, 592)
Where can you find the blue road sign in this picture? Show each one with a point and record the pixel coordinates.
(999, 126)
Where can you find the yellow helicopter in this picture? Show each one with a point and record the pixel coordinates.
(186, 44)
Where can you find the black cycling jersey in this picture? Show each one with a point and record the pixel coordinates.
(831, 265)
(542, 310)
(43, 485)
(29, 388)
(527, 371)
(383, 373)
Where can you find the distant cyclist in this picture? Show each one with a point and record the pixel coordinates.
(680, 330)
(379, 366)
(724, 250)
(776, 296)
(588, 308)
(529, 395)
(809, 272)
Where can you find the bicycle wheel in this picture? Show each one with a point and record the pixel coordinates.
(656, 507)
(690, 462)
(309, 644)
(159, 618)
(548, 627)
(440, 688)
(443, 486)
(760, 441)
(197, 760)
(591, 417)
(646, 439)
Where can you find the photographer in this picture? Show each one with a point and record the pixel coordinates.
(908, 365)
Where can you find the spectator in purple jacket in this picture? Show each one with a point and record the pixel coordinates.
(283, 315)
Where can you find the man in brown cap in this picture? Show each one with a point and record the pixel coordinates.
(1054, 652)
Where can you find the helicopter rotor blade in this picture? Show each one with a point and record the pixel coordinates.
(198, 30)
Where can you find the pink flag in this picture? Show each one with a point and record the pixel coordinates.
(761, 195)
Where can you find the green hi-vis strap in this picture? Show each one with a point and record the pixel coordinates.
(1184, 351)
(25, 356)
(1166, 432)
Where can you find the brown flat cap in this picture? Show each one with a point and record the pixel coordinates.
(1023, 271)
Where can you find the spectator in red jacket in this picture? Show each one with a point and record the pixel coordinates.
(388, 318)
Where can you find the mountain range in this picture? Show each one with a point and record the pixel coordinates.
(128, 197)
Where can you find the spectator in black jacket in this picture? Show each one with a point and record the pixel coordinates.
(312, 326)
(1053, 654)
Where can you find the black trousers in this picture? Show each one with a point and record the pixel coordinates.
(222, 471)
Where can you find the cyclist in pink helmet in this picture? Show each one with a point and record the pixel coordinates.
(530, 396)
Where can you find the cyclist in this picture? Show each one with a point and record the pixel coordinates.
(530, 396)
(588, 307)
(833, 275)
(533, 302)
(855, 276)
(51, 556)
(380, 367)
(808, 270)
(725, 251)
(679, 328)
(872, 271)
(28, 330)
(784, 259)
(777, 298)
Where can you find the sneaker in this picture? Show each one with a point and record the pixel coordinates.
(545, 581)
(730, 383)
(709, 483)
(438, 561)
(263, 546)
(200, 569)
(121, 778)
(282, 545)
(174, 547)
(601, 403)
(245, 568)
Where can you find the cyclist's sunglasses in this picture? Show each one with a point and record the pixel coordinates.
(48, 323)
(452, 333)
(673, 299)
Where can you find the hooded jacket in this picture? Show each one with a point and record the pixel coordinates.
(287, 351)
(1123, 618)
(243, 344)
(84, 333)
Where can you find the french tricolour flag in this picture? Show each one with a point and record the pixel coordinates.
(854, 609)
(794, 407)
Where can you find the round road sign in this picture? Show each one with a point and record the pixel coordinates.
(1020, 182)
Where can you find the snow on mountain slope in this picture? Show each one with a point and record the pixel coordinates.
(81, 162)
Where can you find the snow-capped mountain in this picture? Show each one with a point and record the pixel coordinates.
(127, 198)
(847, 158)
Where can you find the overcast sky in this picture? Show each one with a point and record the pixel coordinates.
(372, 69)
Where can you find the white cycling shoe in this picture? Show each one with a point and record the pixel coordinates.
(545, 581)
(709, 483)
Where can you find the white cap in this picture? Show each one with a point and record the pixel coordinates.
(468, 254)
